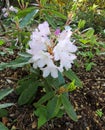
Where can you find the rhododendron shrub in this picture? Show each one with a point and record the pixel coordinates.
(51, 52)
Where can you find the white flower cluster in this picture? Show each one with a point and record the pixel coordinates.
(51, 52)
(6, 11)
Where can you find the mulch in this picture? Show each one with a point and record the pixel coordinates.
(85, 100)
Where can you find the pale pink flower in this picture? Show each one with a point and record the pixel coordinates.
(6, 14)
(11, 8)
(63, 53)
(44, 29)
(4, 10)
(51, 55)
(50, 69)
(64, 35)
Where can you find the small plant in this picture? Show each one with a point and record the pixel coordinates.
(88, 44)
(99, 112)
(89, 66)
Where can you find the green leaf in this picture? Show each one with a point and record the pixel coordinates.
(28, 93)
(23, 13)
(3, 127)
(5, 105)
(50, 21)
(90, 33)
(1, 42)
(74, 7)
(5, 92)
(53, 107)
(3, 65)
(25, 82)
(41, 112)
(58, 14)
(55, 82)
(81, 24)
(72, 76)
(2, 53)
(3, 112)
(43, 2)
(19, 62)
(84, 41)
(28, 18)
(45, 113)
(45, 98)
(71, 86)
(89, 66)
(10, 51)
(24, 54)
(99, 112)
(57, 110)
(68, 107)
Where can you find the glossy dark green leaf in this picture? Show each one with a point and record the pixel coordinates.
(28, 18)
(45, 98)
(58, 14)
(18, 62)
(53, 107)
(24, 54)
(5, 105)
(5, 92)
(25, 82)
(23, 13)
(50, 20)
(55, 82)
(72, 76)
(28, 93)
(3, 112)
(3, 127)
(41, 112)
(68, 107)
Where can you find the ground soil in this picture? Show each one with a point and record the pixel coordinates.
(85, 100)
